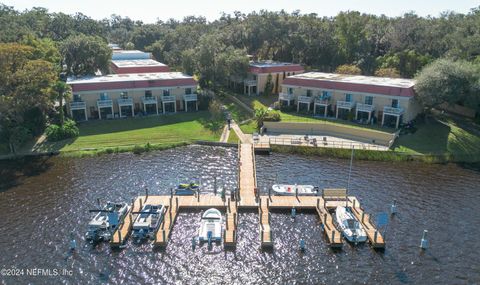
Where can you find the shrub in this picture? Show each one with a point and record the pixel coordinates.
(272, 116)
(137, 149)
(56, 132)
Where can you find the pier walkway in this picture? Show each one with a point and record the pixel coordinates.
(248, 197)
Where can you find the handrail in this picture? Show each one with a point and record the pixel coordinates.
(254, 168)
(326, 144)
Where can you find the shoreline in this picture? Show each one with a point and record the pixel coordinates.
(368, 155)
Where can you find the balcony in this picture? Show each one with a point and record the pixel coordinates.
(365, 108)
(305, 99)
(104, 103)
(168, 98)
(286, 97)
(250, 82)
(325, 101)
(393, 111)
(149, 100)
(190, 97)
(78, 105)
(125, 101)
(345, 104)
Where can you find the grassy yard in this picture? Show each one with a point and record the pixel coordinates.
(442, 136)
(157, 130)
(232, 137)
(261, 101)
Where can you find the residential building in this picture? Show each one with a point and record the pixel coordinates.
(258, 73)
(137, 66)
(121, 95)
(389, 101)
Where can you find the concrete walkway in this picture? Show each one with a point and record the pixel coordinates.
(225, 134)
(244, 138)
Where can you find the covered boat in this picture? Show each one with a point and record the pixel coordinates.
(211, 226)
(106, 221)
(290, 190)
(147, 221)
(352, 230)
(187, 189)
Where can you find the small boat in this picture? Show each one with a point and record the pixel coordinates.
(106, 221)
(211, 226)
(352, 230)
(148, 221)
(290, 190)
(187, 189)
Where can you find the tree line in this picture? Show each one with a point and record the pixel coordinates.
(37, 47)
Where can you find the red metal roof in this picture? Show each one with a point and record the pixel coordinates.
(100, 86)
(354, 87)
(270, 69)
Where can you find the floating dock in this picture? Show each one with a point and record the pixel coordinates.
(248, 197)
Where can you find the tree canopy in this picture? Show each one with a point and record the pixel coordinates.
(84, 55)
(448, 81)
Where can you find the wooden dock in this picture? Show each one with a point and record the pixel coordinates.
(247, 175)
(264, 219)
(123, 231)
(248, 197)
(262, 147)
(374, 236)
(231, 222)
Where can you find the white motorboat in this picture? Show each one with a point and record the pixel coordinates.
(147, 221)
(211, 226)
(291, 190)
(105, 222)
(352, 230)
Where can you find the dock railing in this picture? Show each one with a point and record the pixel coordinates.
(300, 141)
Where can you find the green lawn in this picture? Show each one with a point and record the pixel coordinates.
(158, 130)
(232, 137)
(442, 136)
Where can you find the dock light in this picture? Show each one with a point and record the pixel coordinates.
(424, 242)
(302, 245)
(393, 209)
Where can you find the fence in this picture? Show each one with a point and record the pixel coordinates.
(314, 142)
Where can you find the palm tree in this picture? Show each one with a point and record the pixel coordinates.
(63, 92)
(260, 115)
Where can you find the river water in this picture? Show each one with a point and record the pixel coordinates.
(42, 202)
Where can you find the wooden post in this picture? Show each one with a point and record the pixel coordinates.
(119, 236)
(268, 203)
(269, 192)
(353, 203)
(318, 202)
(133, 203)
(375, 237)
(176, 203)
(146, 193)
(228, 200)
(226, 218)
(130, 218)
(163, 235)
(141, 206)
(171, 192)
(325, 218)
(261, 234)
(198, 197)
(235, 219)
(333, 237)
(363, 216)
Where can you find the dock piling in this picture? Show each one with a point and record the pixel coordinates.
(424, 241)
(146, 193)
(294, 212)
(393, 209)
(141, 204)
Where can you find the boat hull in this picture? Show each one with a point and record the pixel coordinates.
(292, 190)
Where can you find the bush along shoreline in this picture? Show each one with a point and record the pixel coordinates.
(136, 149)
(374, 155)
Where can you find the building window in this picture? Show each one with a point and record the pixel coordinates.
(395, 103)
(77, 98)
(124, 95)
(293, 73)
(284, 75)
(148, 94)
(188, 91)
(326, 94)
(369, 100)
(309, 93)
(254, 77)
(103, 96)
(288, 73)
(290, 90)
(348, 97)
(166, 92)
